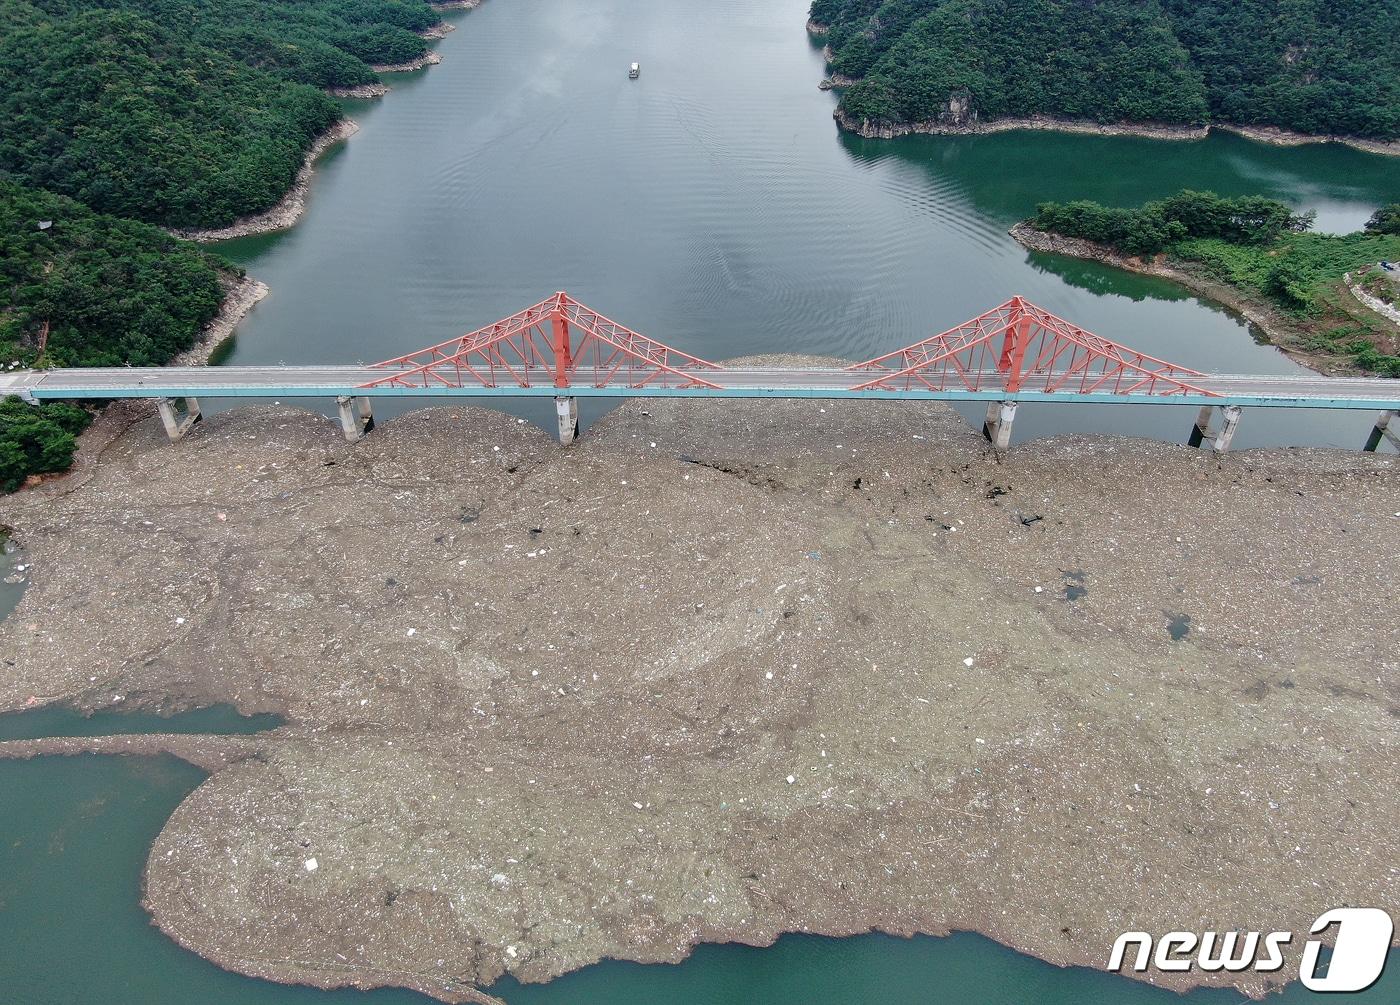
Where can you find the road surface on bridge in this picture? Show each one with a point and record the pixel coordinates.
(1301, 391)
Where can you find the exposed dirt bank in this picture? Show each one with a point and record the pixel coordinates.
(362, 91)
(1286, 138)
(440, 30)
(1272, 325)
(723, 670)
(293, 204)
(939, 127)
(427, 59)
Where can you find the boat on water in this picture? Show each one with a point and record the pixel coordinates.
(635, 71)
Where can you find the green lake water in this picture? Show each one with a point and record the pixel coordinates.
(712, 204)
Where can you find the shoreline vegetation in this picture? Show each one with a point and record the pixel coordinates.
(1255, 258)
(250, 132)
(226, 108)
(107, 424)
(1169, 71)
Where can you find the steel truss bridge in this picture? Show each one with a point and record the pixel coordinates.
(559, 348)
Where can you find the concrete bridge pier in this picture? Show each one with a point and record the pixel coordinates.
(1220, 439)
(1383, 431)
(567, 411)
(356, 416)
(178, 423)
(1000, 417)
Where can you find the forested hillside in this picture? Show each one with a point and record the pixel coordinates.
(183, 113)
(121, 114)
(1313, 66)
(104, 291)
(187, 113)
(111, 291)
(323, 43)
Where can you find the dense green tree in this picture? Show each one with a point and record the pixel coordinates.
(187, 113)
(36, 440)
(1315, 66)
(127, 117)
(108, 291)
(326, 43)
(1385, 220)
(1188, 214)
(112, 292)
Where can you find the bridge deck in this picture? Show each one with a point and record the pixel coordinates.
(1305, 391)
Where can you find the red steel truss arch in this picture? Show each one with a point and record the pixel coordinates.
(1019, 346)
(549, 343)
(1016, 347)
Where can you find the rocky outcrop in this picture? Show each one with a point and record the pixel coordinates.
(1388, 311)
(361, 91)
(440, 30)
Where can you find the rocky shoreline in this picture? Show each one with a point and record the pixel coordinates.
(427, 59)
(360, 91)
(240, 296)
(1156, 131)
(1273, 325)
(1285, 138)
(438, 31)
(293, 204)
(1388, 311)
(858, 692)
(938, 127)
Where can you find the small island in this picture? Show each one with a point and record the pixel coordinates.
(1325, 298)
(1172, 69)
